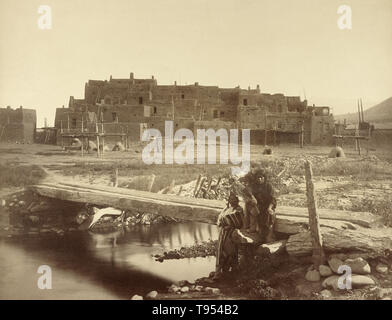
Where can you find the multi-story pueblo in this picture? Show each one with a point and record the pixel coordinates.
(131, 105)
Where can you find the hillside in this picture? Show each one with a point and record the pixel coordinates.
(381, 112)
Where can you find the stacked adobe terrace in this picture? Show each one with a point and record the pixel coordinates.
(132, 105)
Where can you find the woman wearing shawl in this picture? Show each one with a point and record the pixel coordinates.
(229, 219)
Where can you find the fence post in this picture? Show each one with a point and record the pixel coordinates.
(314, 224)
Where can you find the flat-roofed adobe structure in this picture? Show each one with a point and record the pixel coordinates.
(131, 105)
(17, 125)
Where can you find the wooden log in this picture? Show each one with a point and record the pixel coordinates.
(370, 242)
(314, 225)
(291, 220)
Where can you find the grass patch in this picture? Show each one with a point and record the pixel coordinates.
(20, 176)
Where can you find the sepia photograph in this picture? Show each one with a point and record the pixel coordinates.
(195, 151)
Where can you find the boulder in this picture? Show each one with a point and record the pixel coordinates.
(360, 281)
(335, 263)
(216, 291)
(173, 289)
(382, 268)
(331, 282)
(152, 295)
(137, 297)
(185, 289)
(326, 294)
(313, 276)
(358, 265)
(325, 271)
(198, 288)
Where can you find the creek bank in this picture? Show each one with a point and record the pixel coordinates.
(25, 213)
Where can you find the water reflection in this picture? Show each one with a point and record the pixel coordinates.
(102, 266)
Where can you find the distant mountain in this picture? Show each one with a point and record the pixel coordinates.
(381, 112)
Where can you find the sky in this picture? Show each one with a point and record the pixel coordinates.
(287, 46)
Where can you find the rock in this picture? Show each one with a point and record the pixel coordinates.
(308, 289)
(198, 288)
(216, 291)
(331, 282)
(183, 283)
(185, 289)
(152, 295)
(137, 297)
(335, 263)
(382, 268)
(312, 275)
(21, 203)
(326, 294)
(384, 292)
(208, 289)
(359, 281)
(173, 289)
(325, 271)
(358, 265)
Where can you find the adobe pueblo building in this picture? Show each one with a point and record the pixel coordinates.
(17, 125)
(129, 106)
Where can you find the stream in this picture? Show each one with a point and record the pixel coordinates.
(114, 265)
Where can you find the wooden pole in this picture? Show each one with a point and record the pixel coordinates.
(115, 180)
(151, 182)
(196, 185)
(314, 224)
(103, 139)
(301, 141)
(97, 133)
(61, 133)
(82, 138)
(265, 127)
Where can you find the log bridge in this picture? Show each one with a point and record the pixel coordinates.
(342, 230)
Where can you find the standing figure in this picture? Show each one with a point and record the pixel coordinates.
(229, 219)
(260, 204)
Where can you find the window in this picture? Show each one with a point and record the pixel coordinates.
(155, 110)
(73, 123)
(215, 114)
(140, 100)
(114, 116)
(183, 96)
(222, 113)
(245, 102)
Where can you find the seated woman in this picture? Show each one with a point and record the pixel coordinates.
(229, 219)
